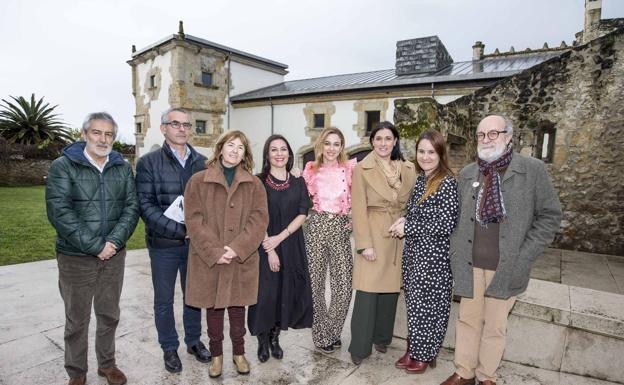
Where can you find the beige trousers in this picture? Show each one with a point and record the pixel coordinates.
(481, 330)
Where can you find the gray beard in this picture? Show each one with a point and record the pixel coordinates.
(491, 158)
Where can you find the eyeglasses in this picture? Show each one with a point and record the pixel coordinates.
(492, 135)
(175, 124)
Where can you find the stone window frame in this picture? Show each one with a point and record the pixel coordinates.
(545, 128)
(153, 82)
(360, 107)
(309, 110)
(197, 125)
(316, 118)
(144, 121)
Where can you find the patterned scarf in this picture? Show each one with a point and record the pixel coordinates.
(491, 208)
(392, 172)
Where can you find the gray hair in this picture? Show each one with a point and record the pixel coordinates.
(508, 123)
(105, 116)
(164, 118)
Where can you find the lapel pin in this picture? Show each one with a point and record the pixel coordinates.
(475, 184)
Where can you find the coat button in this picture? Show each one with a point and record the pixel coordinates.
(470, 263)
(231, 229)
(471, 219)
(470, 241)
(473, 197)
(231, 204)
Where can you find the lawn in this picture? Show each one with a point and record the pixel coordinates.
(25, 233)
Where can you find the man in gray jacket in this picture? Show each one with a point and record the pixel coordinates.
(509, 214)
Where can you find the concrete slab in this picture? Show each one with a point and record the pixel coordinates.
(587, 270)
(548, 266)
(593, 355)
(31, 340)
(597, 311)
(546, 301)
(616, 267)
(535, 343)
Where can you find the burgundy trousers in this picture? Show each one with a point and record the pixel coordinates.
(214, 319)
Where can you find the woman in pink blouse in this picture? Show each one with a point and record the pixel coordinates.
(327, 236)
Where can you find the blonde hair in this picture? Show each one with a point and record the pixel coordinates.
(318, 147)
(246, 163)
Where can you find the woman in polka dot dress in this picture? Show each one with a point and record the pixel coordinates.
(431, 217)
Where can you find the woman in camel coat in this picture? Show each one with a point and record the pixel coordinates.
(382, 183)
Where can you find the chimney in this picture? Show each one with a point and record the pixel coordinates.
(593, 10)
(477, 50)
(421, 55)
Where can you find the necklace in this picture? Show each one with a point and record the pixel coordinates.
(275, 185)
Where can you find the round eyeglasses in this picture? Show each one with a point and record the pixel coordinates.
(492, 135)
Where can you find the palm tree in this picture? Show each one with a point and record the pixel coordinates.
(31, 122)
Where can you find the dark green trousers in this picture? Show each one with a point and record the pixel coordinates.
(372, 321)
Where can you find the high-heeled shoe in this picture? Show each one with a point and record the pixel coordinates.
(417, 367)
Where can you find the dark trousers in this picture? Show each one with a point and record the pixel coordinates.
(372, 321)
(84, 281)
(166, 263)
(214, 318)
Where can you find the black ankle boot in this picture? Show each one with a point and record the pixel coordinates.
(276, 349)
(263, 347)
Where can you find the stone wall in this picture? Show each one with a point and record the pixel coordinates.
(578, 98)
(23, 172)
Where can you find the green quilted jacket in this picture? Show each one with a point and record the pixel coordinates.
(88, 208)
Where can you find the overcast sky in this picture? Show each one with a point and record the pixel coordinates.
(74, 52)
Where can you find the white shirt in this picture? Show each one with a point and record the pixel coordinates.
(90, 159)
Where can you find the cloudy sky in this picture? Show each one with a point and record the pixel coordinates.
(74, 52)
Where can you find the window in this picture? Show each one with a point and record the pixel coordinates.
(545, 143)
(138, 128)
(206, 79)
(200, 126)
(319, 120)
(372, 118)
(152, 81)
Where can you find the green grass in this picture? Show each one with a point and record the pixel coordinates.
(25, 233)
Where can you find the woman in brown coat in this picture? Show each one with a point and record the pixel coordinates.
(226, 219)
(382, 183)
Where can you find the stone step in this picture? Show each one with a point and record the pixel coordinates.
(558, 327)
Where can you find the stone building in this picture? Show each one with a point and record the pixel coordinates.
(198, 75)
(567, 111)
(565, 102)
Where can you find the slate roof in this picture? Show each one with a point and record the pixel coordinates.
(213, 45)
(490, 68)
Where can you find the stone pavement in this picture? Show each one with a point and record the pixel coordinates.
(32, 319)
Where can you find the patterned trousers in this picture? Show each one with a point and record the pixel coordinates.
(328, 243)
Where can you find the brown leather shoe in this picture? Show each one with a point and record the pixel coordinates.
(487, 382)
(417, 367)
(455, 379)
(113, 375)
(78, 380)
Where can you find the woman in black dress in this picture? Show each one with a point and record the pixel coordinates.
(284, 292)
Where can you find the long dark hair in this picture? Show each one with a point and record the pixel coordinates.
(443, 170)
(396, 150)
(266, 165)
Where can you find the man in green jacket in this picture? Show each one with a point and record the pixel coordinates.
(91, 202)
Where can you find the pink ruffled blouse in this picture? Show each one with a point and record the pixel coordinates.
(330, 187)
